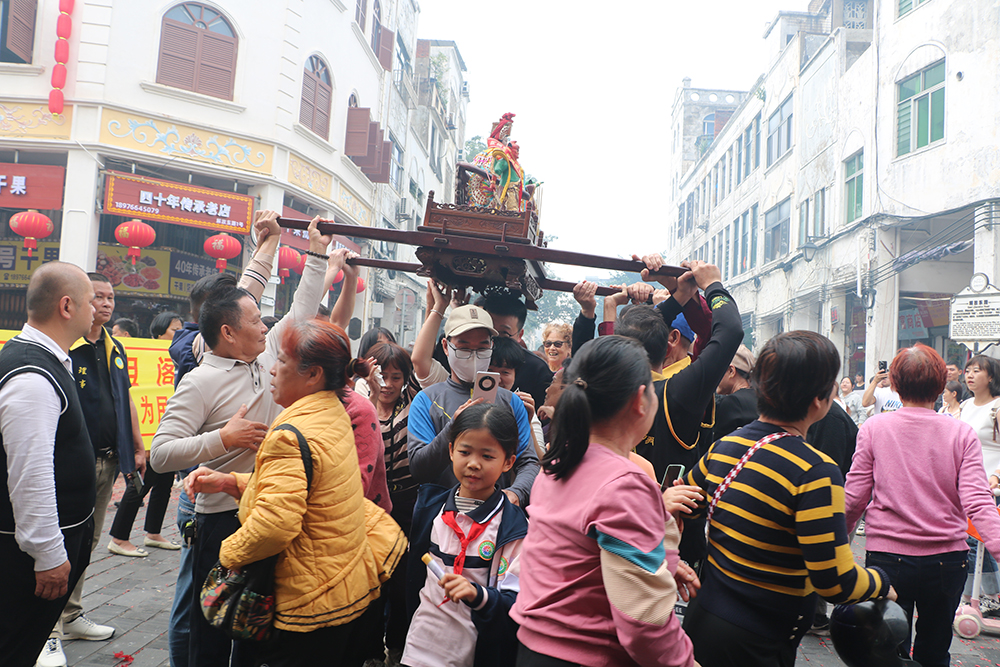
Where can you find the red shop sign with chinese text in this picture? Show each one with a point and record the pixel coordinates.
(177, 203)
(31, 186)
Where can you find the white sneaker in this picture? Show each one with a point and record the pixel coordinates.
(52, 654)
(861, 528)
(83, 628)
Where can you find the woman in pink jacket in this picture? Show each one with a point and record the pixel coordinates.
(917, 475)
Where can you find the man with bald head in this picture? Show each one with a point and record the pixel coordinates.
(46, 516)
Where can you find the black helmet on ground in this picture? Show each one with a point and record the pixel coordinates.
(868, 634)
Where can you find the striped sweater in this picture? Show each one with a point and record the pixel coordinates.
(777, 536)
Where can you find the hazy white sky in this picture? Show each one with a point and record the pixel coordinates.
(592, 84)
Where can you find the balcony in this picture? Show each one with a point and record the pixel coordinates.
(404, 84)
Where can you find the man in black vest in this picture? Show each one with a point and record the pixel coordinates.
(46, 517)
(100, 368)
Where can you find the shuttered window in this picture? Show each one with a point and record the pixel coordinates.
(197, 51)
(317, 92)
(376, 25)
(17, 30)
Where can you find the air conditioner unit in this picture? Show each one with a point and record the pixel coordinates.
(403, 210)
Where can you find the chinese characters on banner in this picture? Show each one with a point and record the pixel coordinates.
(151, 373)
(186, 270)
(15, 265)
(24, 186)
(178, 203)
(911, 324)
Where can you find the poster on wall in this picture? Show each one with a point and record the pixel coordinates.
(148, 276)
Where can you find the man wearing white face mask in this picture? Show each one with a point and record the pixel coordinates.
(468, 343)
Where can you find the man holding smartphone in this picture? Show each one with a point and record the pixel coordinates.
(468, 342)
(880, 394)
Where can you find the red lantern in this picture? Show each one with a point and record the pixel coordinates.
(62, 51)
(340, 276)
(288, 260)
(64, 26)
(31, 225)
(361, 285)
(58, 76)
(135, 234)
(222, 247)
(66, 6)
(55, 101)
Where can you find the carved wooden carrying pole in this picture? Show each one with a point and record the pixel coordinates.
(463, 246)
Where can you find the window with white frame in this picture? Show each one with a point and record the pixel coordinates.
(725, 256)
(819, 213)
(776, 230)
(737, 259)
(920, 110)
(396, 166)
(753, 236)
(17, 30)
(803, 222)
(853, 186)
(779, 132)
(906, 6)
(708, 125)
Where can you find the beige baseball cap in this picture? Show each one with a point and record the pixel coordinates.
(465, 318)
(744, 359)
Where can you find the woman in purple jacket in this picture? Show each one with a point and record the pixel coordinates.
(917, 475)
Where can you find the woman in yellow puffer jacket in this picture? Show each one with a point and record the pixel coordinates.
(336, 547)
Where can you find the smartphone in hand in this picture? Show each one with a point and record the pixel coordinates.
(486, 386)
(883, 366)
(136, 479)
(674, 472)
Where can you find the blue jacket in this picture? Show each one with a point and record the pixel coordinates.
(496, 645)
(90, 398)
(181, 352)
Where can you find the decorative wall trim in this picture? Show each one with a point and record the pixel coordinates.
(188, 96)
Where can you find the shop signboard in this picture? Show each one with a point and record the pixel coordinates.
(37, 186)
(151, 373)
(975, 316)
(186, 270)
(911, 324)
(178, 203)
(15, 265)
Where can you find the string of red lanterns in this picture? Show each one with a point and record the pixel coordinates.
(64, 28)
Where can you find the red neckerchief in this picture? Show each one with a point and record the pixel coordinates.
(474, 532)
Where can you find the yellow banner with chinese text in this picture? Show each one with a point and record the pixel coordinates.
(151, 373)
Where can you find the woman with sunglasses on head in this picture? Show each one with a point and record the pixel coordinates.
(557, 340)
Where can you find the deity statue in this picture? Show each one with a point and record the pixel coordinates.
(495, 178)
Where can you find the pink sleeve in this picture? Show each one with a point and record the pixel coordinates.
(699, 318)
(371, 448)
(974, 492)
(606, 328)
(860, 478)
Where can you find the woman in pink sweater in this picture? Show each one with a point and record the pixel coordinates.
(917, 475)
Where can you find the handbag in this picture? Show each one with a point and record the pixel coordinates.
(240, 602)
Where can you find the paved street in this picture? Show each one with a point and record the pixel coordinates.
(134, 595)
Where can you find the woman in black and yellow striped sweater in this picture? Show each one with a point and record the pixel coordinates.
(777, 535)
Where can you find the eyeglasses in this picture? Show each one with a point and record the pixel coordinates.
(467, 354)
(550, 343)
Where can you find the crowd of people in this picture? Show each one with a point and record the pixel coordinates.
(631, 468)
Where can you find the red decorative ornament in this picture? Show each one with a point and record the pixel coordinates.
(289, 260)
(340, 276)
(361, 285)
(64, 28)
(58, 76)
(222, 247)
(32, 225)
(136, 235)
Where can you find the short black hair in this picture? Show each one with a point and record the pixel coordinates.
(269, 321)
(370, 339)
(162, 322)
(504, 305)
(992, 368)
(130, 326)
(507, 353)
(206, 287)
(222, 307)
(497, 418)
(793, 369)
(98, 277)
(645, 324)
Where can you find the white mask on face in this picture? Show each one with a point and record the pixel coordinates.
(466, 369)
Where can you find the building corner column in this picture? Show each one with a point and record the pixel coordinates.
(81, 219)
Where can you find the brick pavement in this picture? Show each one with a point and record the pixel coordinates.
(134, 595)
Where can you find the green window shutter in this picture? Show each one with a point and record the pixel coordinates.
(905, 6)
(903, 128)
(937, 115)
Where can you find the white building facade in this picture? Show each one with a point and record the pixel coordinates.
(302, 106)
(854, 188)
